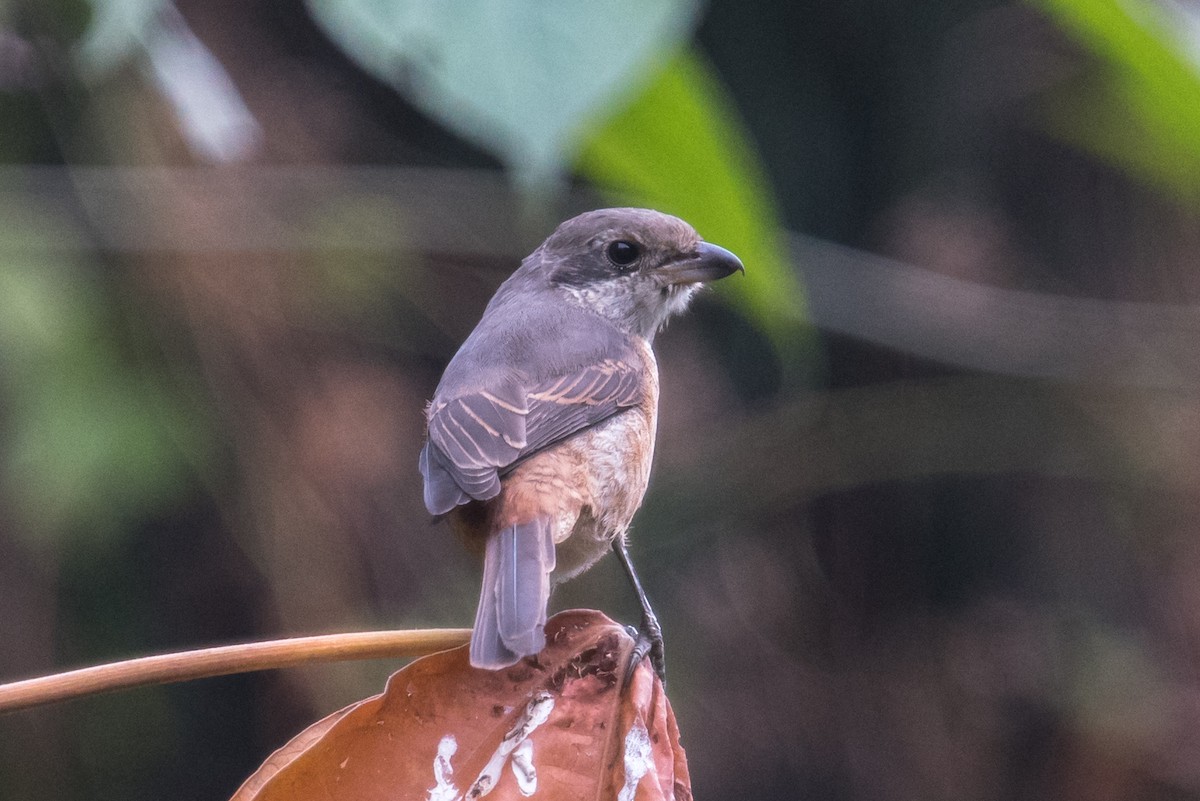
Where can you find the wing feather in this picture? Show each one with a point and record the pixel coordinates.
(475, 438)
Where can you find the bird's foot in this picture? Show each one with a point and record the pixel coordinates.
(648, 641)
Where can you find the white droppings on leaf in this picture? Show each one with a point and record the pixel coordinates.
(638, 760)
(536, 713)
(443, 772)
(523, 769)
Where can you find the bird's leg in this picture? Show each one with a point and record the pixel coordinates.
(649, 635)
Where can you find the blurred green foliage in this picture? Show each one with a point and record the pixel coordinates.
(94, 439)
(1142, 110)
(679, 147)
(522, 78)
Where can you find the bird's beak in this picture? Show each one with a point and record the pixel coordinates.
(710, 263)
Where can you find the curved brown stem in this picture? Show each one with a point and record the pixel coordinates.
(225, 660)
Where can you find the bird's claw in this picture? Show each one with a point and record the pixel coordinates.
(648, 642)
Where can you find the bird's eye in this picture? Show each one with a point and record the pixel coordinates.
(623, 253)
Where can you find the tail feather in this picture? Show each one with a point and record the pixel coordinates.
(488, 650)
(511, 616)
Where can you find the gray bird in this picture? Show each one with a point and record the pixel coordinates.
(541, 431)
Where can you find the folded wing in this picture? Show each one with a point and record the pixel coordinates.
(474, 438)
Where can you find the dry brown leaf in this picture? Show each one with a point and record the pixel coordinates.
(560, 725)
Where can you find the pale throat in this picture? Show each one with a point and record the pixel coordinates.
(640, 308)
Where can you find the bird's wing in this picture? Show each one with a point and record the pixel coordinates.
(474, 438)
(568, 404)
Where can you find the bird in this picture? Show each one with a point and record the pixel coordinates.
(540, 433)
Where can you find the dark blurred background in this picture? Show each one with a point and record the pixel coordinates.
(923, 522)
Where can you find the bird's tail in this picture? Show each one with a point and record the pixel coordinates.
(516, 588)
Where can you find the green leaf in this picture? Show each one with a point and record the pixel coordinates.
(680, 147)
(520, 78)
(1143, 111)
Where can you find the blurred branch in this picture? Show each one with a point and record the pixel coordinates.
(226, 660)
(988, 328)
(266, 209)
(908, 430)
(473, 213)
(212, 115)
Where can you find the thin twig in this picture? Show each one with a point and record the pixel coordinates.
(226, 660)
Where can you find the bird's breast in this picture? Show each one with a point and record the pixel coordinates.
(615, 459)
(615, 456)
(620, 451)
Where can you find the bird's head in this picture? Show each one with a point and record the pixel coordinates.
(635, 267)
